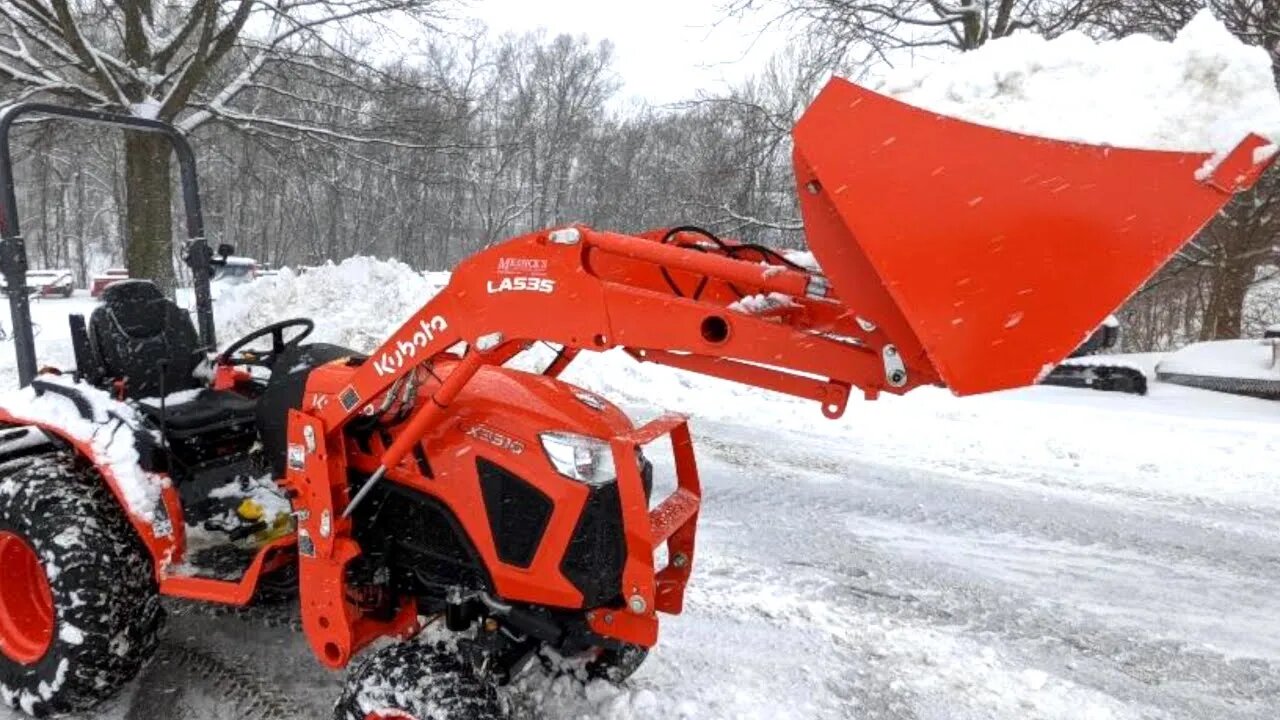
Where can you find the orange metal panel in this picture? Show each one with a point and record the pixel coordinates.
(999, 252)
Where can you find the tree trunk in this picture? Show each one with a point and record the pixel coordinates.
(148, 250)
(42, 162)
(1231, 282)
(82, 267)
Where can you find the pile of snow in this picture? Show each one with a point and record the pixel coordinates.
(1240, 359)
(761, 304)
(356, 303)
(1205, 90)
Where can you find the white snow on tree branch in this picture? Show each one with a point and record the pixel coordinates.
(148, 109)
(1205, 90)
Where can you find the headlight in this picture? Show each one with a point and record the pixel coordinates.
(577, 457)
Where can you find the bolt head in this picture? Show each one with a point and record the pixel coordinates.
(680, 560)
(637, 605)
(565, 236)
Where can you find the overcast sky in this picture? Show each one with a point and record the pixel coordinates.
(665, 50)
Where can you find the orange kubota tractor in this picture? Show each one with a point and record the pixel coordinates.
(429, 479)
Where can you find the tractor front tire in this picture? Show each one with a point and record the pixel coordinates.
(415, 681)
(616, 666)
(79, 609)
(612, 666)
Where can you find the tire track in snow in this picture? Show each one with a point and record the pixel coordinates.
(1016, 541)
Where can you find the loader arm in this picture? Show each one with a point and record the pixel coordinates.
(946, 254)
(951, 254)
(596, 293)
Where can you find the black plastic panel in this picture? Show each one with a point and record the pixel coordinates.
(518, 513)
(594, 560)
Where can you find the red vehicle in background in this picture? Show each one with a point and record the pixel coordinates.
(107, 278)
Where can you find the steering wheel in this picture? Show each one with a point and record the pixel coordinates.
(278, 344)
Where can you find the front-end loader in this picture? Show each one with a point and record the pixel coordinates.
(430, 480)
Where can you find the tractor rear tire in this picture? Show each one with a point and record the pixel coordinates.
(415, 681)
(79, 609)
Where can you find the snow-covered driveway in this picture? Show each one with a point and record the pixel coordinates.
(837, 584)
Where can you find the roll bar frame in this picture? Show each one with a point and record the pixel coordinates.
(13, 254)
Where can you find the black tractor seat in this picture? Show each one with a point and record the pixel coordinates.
(201, 410)
(141, 344)
(137, 341)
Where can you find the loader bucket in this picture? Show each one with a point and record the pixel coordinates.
(989, 256)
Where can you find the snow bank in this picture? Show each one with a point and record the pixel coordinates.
(1204, 91)
(1243, 359)
(356, 303)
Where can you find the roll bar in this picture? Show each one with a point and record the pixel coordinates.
(13, 254)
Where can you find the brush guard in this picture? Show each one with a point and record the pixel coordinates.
(647, 589)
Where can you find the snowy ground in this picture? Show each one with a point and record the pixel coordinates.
(1041, 553)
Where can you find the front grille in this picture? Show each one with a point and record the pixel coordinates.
(518, 513)
(598, 550)
(593, 562)
(421, 538)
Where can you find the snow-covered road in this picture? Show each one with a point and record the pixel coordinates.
(1041, 553)
(838, 585)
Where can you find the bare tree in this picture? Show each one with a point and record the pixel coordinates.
(1241, 247)
(883, 25)
(161, 59)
